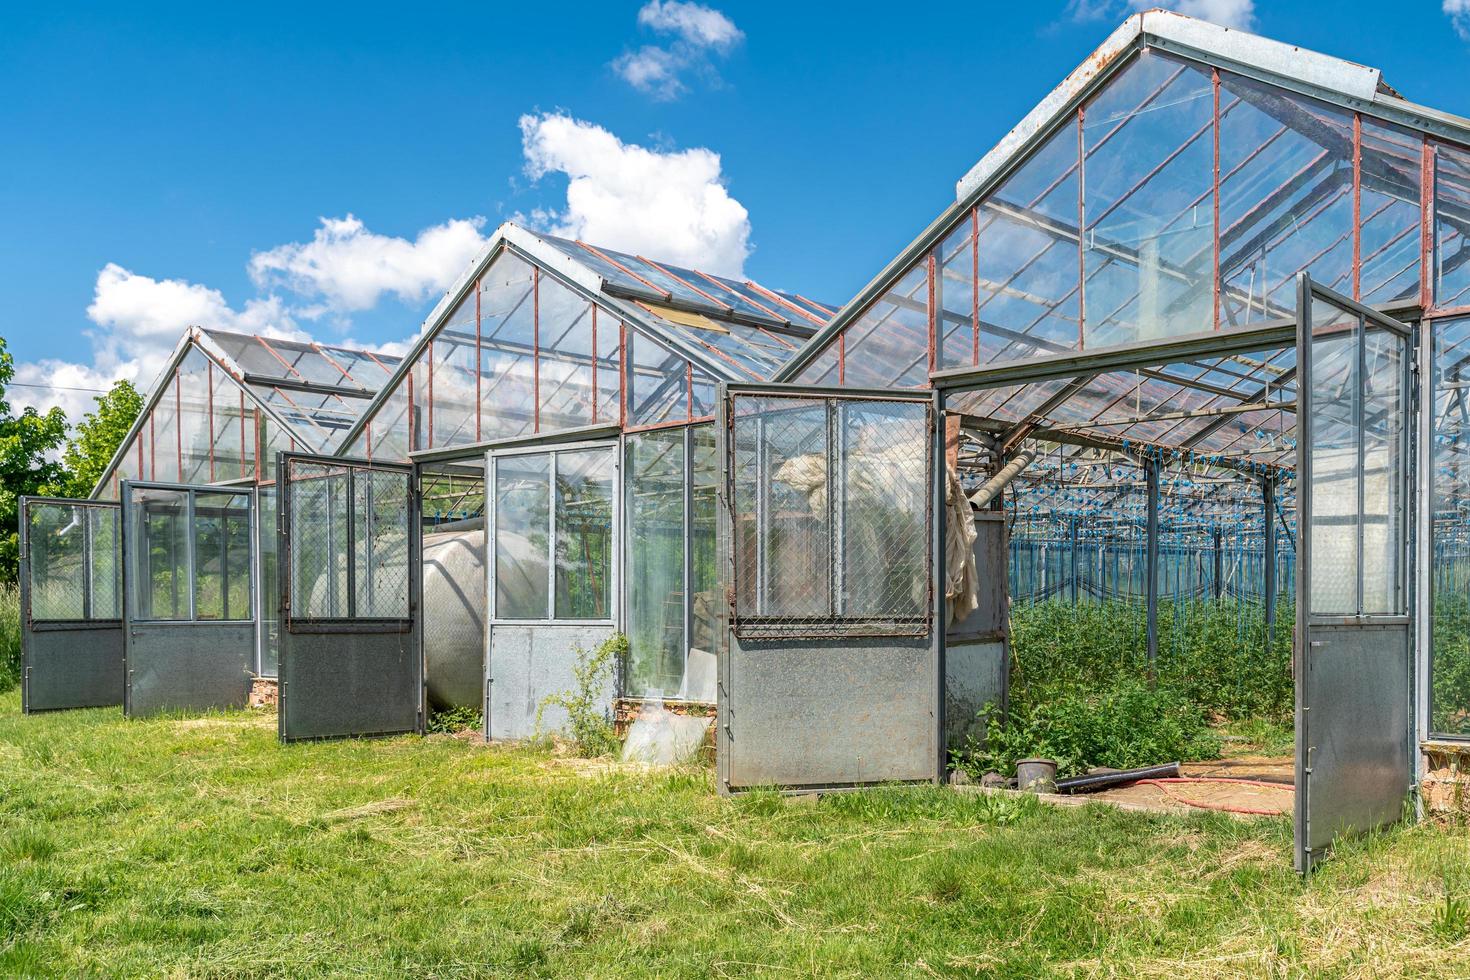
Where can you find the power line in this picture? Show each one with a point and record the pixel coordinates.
(22, 384)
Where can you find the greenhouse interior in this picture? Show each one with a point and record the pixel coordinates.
(1156, 429)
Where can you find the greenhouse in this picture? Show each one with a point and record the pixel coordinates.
(1165, 410)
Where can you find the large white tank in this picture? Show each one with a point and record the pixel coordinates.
(454, 617)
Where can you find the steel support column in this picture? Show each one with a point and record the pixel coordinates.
(1218, 586)
(1072, 559)
(1151, 562)
(1268, 500)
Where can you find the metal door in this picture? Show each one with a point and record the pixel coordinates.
(190, 599)
(831, 663)
(71, 633)
(1354, 764)
(351, 662)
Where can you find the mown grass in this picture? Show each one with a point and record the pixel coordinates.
(202, 847)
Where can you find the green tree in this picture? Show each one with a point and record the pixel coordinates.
(27, 441)
(97, 437)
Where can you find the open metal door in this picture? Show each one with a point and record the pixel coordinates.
(1354, 636)
(351, 662)
(831, 662)
(71, 631)
(189, 611)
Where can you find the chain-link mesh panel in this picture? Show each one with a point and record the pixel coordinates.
(831, 511)
(349, 554)
(56, 538)
(380, 549)
(103, 527)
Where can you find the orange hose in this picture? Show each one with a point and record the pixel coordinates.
(1225, 807)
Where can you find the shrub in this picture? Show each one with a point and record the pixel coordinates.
(1123, 726)
(589, 725)
(451, 721)
(9, 636)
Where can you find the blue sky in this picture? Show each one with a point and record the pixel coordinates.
(166, 164)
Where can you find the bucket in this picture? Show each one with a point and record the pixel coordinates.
(1037, 775)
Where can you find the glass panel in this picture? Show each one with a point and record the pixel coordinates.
(1335, 462)
(658, 382)
(1451, 221)
(106, 562)
(270, 584)
(233, 454)
(163, 465)
(319, 532)
(389, 427)
(565, 337)
(889, 344)
(161, 530)
(222, 556)
(955, 288)
(653, 494)
(703, 563)
(455, 363)
(522, 536)
(1028, 301)
(822, 369)
(195, 430)
(1389, 213)
(1385, 414)
(1286, 203)
(1450, 624)
(380, 543)
(883, 500)
(55, 538)
(609, 368)
(507, 342)
(584, 515)
(1149, 207)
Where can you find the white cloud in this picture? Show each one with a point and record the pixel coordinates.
(1239, 14)
(668, 205)
(139, 320)
(1458, 12)
(698, 32)
(349, 268)
(694, 22)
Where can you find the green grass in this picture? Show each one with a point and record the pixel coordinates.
(202, 847)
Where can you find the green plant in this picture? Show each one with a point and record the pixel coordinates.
(589, 725)
(1122, 726)
(451, 721)
(9, 636)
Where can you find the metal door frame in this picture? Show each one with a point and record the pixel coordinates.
(1406, 584)
(29, 625)
(343, 625)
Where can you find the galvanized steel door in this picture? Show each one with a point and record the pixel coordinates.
(190, 601)
(1354, 631)
(351, 663)
(830, 667)
(71, 637)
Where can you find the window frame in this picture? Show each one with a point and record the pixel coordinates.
(89, 585)
(130, 552)
(614, 599)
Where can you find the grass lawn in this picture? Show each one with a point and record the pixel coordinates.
(201, 847)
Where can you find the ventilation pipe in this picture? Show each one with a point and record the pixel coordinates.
(982, 497)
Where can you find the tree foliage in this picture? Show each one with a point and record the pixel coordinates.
(97, 437)
(28, 443)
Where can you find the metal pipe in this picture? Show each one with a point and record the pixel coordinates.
(981, 498)
(1151, 564)
(1107, 780)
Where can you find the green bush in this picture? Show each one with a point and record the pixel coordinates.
(588, 724)
(9, 636)
(1123, 726)
(452, 721)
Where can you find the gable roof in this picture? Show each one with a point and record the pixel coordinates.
(1329, 79)
(731, 329)
(313, 392)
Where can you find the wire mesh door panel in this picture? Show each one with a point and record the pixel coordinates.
(71, 604)
(350, 656)
(831, 515)
(830, 667)
(1354, 623)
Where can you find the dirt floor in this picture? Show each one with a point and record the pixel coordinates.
(1243, 793)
